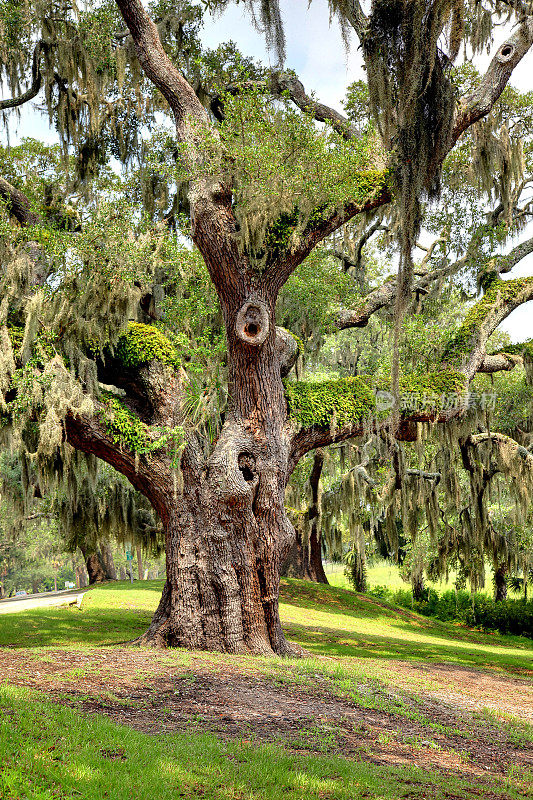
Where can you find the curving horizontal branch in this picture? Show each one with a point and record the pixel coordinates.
(326, 412)
(36, 84)
(499, 362)
(359, 317)
(18, 204)
(508, 446)
(154, 479)
(505, 263)
(385, 294)
(285, 82)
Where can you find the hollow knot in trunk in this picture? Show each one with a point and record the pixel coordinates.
(252, 323)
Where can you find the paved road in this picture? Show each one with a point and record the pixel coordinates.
(68, 597)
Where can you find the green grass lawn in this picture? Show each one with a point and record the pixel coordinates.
(111, 614)
(325, 620)
(52, 752)
(49, 752)
(350, 625)
(383, 573)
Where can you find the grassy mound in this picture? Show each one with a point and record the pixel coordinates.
(380, 696)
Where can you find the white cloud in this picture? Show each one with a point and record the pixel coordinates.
(315, 49)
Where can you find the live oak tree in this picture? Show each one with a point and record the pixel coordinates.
(264, 188)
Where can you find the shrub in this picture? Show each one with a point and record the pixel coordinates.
(477, 610)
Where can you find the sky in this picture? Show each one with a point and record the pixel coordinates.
(317, 53)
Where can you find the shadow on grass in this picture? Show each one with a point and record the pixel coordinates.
(305, 594)
(68, 627)
(111, 614)
(322, 640)
(115, 613)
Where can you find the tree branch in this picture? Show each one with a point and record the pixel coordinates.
(18, 204)
(212, 219)
(473, 107)
(499, 362)
(478, 103)
(280, 270)
(158, 66)
(384, 295)
(307, 439)
(153, 479)
(285, 82)
(429, 476)
(501, 440)
(505, 263)
(35, 87)
(359, 317)
(500, 300)
(355, 15)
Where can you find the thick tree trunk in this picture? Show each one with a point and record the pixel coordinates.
(95, 569)
(417, 580)
(108, 561)
(99, 563)
(94, 564)
(500, 583)
(305, 560)
(227, 532)
(226, 529)
(224, 543)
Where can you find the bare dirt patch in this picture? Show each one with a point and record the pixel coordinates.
(469, 689)
(233, 705)
(149, 692)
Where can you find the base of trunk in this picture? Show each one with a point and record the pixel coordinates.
(162, 634)
(99, 563)
(305, 563)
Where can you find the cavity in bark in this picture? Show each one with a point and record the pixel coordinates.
(252, 322)
(506, 52)
(246, 463)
